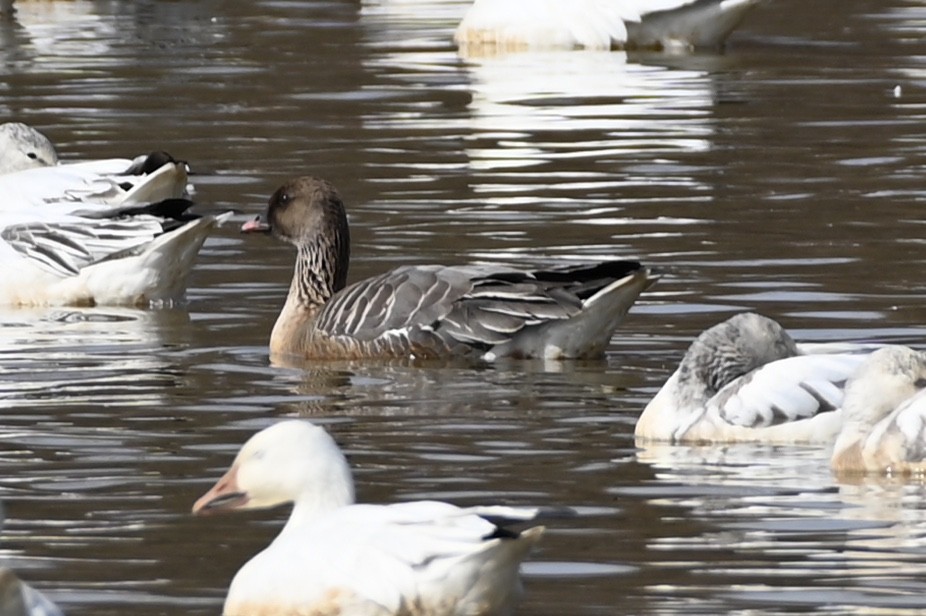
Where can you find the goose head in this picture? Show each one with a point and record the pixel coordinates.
(888, 377)
(290, 462)
(23, 147)
(731, 349)
(308, 213)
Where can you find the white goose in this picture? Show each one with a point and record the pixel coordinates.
(600, 24)
(100, 232)
(335, 557)
(885, 416)
(30, 175)
(19, 599)
(745, 379)
(128, 256)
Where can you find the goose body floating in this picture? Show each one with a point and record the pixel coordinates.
(746, 379)
(335, 557)
(433, 311)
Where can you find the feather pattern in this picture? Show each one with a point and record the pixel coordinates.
(433, 310)
(746, 379)
(70, 260)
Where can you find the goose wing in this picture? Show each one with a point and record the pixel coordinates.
(395, 555)
(479, 306)
(64, 248)
(901, 437)
(787, 390)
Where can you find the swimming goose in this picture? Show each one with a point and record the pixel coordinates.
(746, 379)
(31, 177)
(335, 557)
(19, 599)
(600, 24)
(885, 416)
(429, 311)
(127, 255)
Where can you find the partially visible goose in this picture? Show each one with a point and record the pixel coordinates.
(24, 147)
(30, 175)
(885, 416)
(746, 379)
(130, 256)
(19, 599)
(600, 24)
(428, 311)
(335, 557)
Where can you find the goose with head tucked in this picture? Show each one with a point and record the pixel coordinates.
(32, 176)
(884, 430)
(433, 311)
(676, 25)
(747, 380)
(334, 557)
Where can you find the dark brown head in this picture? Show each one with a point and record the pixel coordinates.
(308, 213)
(303, 208)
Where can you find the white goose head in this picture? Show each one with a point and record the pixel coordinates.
(889, 376)
(291, 461)
(23, 147)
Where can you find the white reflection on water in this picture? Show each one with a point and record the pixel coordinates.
(80, 355)
(785, 533)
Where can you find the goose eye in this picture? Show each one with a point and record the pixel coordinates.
(920, 383)
(285, 198)
(32, 155)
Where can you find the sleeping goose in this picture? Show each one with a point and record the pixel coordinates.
(19, 599)
(600, 24)
(127, 255)
(746, 379)
(335, 557)
(31, 177)
(885, 416)
(429, 311)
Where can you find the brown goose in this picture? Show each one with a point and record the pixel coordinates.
(431, 311)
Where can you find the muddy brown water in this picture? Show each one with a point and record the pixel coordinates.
(784, 175)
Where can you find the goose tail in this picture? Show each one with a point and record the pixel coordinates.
(703, 24)
(156, 272)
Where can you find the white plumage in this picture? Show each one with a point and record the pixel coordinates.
(885, 416)
(600, 24)
(108, 231)
(336, 557)
(745, 379)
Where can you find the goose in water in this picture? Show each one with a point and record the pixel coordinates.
(432, 311)
(884, 428)
(31, 175)
(334, 557)
(127, 255)
(600, 24)
(746, 379)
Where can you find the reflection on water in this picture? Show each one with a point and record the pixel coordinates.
(782, 533)
(783, 176)
(80, 355)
